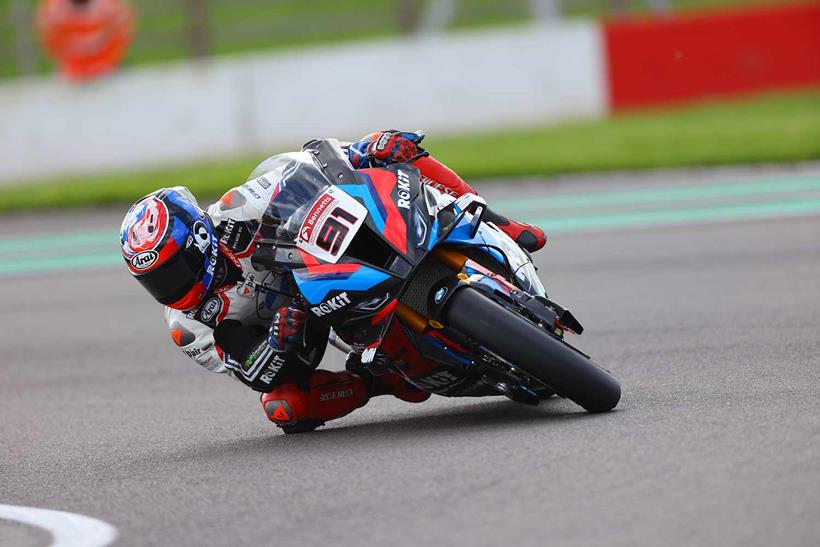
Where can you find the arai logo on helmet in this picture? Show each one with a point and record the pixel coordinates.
(147, 224)
(211, 308)
(144, 260)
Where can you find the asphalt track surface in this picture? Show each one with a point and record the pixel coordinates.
(712, 327)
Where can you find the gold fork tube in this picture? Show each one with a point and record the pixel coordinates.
(452, 259)
(410, 317)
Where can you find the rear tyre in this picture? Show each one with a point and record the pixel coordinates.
(532, 349)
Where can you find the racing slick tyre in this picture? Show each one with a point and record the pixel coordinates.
(533, 350)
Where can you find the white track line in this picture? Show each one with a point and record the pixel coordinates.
(68, 529)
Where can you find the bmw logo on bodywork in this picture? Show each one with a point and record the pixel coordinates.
(440, 294)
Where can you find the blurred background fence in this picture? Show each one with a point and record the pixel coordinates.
(508, 88)
(168, 30)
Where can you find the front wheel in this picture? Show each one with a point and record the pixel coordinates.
(533, 350)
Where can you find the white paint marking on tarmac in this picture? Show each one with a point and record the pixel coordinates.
(68, 529)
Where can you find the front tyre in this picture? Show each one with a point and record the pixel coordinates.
(533, 350)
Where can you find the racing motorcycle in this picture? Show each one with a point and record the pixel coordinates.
(414, 280)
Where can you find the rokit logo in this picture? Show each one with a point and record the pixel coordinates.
(275, 365)
(230, 225)
(335, 303)
(236, 235)
(403, 189)
(144, 260)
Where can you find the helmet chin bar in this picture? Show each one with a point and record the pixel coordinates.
(225, 273)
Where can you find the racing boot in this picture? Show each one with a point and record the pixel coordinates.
(442, 178)
(386, 382)
(393, 383)
(529, 237)
(330, 395)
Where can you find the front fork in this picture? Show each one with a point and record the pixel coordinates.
(482, 279)
(539, 309)
(416, 321)
(495, 371)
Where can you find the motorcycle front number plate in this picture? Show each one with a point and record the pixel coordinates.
(330, 225)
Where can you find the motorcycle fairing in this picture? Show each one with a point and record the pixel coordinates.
(378, 189)
(317, 282)
(501, 248)
(455, 372)
(388, 195)
(404, 222)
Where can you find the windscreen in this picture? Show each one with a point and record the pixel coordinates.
(300, 182)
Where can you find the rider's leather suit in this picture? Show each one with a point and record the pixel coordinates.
(250, 300)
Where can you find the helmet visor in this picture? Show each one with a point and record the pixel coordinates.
(170, 282)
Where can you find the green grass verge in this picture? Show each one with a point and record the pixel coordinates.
(779, 127)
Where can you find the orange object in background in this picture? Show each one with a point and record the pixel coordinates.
(87, 38)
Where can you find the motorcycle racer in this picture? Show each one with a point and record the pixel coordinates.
(232, 319)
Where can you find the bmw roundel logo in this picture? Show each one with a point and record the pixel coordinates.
(440, 294)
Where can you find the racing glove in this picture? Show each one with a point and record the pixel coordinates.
(286, 328)
(262, 360)
(386, 148)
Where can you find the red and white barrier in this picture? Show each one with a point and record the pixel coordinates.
(453, 83)
(719, 54)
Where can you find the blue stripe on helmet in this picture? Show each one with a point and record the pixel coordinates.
(181, 231)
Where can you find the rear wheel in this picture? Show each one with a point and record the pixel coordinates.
(533, 350)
